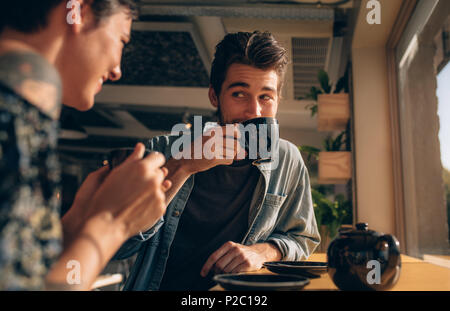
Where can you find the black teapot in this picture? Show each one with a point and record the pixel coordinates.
(363, 259)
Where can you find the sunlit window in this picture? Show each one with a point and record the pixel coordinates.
(443, 94)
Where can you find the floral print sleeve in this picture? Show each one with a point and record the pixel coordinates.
(30, 228)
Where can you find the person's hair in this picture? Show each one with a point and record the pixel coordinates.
(29, 16)
(257, 49)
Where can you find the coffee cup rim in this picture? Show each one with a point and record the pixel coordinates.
(275, 121)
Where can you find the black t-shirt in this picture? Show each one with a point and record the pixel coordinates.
(216, 212)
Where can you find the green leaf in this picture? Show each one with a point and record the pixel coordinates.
(331, 214)
(337, 144)
(342, 84)
(315, 93)
(310, 151)
(328, 144)
(313, 107)
(324, 81)
(314, 110)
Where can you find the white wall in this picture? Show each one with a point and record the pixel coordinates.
(372, 130)
(303, 137)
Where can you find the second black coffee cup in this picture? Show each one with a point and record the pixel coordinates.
(117, 156)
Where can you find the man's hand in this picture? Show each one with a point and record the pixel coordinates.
(109, 208)
(233, 258)
(216, 149)
(133, 192)
(73, 219)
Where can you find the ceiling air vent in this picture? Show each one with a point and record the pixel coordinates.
(309, 55)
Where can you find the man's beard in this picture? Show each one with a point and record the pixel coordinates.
(220, 119)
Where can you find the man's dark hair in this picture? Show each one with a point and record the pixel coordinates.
(32, 15)
(257, 49)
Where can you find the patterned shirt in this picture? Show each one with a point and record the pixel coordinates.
(30, 228)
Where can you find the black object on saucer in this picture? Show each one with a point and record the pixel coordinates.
(310, 269)
(261, 282)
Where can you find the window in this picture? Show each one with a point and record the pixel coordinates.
(423, 195)
(443, 94)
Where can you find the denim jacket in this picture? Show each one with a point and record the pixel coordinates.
(281, 211)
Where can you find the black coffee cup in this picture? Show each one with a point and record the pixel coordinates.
(117, 156)
(259, 137)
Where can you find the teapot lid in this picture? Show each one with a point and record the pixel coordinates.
(362, 228)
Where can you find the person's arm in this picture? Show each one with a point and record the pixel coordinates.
(225, 150)
(134, 244)
(87, 254)
(179, 171)
(30, 232)
(115, 212)
(294, 238)
(73, 218)
(234, 257)
(177, 174)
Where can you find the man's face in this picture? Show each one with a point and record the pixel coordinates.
(93, 56)
(246, 93)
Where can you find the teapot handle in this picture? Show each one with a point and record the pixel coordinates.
(394, 248)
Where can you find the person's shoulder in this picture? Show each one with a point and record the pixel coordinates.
(290, 162)
(29, 76)
(289, 152)
(12, 106)
(290, 167)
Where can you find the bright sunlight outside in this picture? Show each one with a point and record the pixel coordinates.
(443, 94)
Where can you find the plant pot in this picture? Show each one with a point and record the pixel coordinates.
(333, 112)
(335, 167)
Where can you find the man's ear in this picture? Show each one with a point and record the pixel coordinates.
(212, 97)
(79, 15)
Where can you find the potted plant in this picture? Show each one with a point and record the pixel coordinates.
(331, 214)
(331, 105)
(334, 162)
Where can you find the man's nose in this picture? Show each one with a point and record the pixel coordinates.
(115, 74)
(253, 108)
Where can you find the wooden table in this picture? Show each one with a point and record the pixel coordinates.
(440, 260)
(415, 275)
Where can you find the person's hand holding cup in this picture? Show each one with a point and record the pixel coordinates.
(131, 192)
(259, 138)
(219, 145)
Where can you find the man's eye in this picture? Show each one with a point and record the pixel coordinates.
(238, 94)
(266, 97)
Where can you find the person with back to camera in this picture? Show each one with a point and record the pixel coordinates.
(50, 53)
